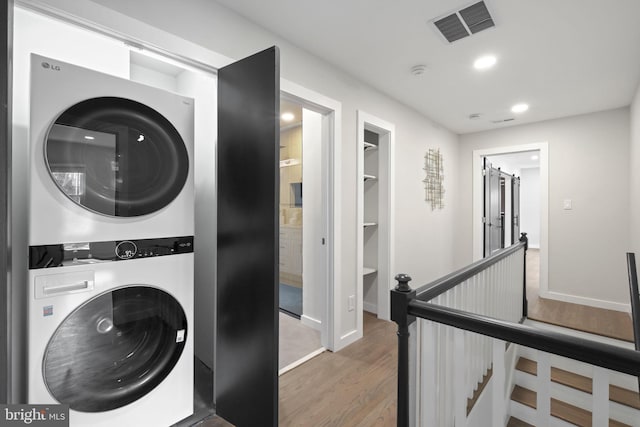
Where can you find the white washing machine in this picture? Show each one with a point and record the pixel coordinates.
(111, 223)
(112, 337)
(109, 158)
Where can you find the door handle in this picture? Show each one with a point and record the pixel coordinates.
(67, 287)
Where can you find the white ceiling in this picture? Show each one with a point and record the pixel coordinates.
(562, 57)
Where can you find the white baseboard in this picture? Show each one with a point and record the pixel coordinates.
(592, 302)
(311, 322)
(369, 307)
(301, 361)
(348, 338)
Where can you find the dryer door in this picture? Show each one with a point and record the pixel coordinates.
(116, 157)
(114, 349)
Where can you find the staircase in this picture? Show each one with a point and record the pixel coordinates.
(571, 393)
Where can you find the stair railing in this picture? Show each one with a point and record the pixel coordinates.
(435, 378)
(635, 301)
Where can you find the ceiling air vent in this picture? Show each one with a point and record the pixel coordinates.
(510, 119)
(451, 28)
(464, 22)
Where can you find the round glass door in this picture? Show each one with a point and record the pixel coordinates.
(115, 349)
(116, 157)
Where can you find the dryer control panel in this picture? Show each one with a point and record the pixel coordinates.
(68, 254)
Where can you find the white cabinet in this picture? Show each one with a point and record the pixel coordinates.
(291, 255)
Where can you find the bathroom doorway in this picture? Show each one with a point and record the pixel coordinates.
(303, 281)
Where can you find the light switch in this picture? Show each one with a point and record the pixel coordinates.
(566, 205)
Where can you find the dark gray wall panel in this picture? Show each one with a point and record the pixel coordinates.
(246, 371)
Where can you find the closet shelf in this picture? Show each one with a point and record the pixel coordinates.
(369, 177)
(368, 270)
(369, 146)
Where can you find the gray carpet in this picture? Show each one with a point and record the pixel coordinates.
(296, 340)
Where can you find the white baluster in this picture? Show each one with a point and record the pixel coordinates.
(429, 375)
(543, 386)
(499, 406)
(600, 397)
(458, 379)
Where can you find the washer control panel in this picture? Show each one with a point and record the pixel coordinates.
(66, 254)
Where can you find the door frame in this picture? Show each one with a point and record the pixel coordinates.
(478, 155)
(386, 206)
(331, 111)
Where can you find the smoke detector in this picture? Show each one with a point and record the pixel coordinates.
(418, 70)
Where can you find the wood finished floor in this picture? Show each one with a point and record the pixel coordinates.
(599, 321)
(353, 387)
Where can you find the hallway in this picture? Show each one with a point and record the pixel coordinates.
(608, 323)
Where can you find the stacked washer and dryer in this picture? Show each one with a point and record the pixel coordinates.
(111, 224)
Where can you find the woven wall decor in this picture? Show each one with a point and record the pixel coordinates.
(434, 190)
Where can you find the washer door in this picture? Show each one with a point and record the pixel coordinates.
(116, 157)
(114, 349)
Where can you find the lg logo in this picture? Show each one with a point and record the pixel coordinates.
(48, 66)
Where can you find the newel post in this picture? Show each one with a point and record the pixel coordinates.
(400, 297)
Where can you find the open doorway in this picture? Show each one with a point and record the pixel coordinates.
(523, 167)
(374, 225)
(306, 226)
(298, 139)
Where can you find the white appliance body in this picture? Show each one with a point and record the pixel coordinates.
(55, 294)
(56, 87)
(111, 224)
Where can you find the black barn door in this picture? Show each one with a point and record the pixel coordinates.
(492, 216)
(246, 368)
(515, 209)
(6, 39)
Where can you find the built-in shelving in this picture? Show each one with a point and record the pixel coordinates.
(369, 146)
(370, 243)
(374, 230)
(368, 270)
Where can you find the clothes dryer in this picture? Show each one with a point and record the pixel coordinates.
(109, 158)
(110, 311)
(111, 331)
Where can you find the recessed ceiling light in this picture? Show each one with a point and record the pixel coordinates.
(287, 117)
(519, 108)
(485, 62)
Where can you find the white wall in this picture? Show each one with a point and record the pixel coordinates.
(530, 205)
(634, 182)
(424, 245)
(588, 163)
